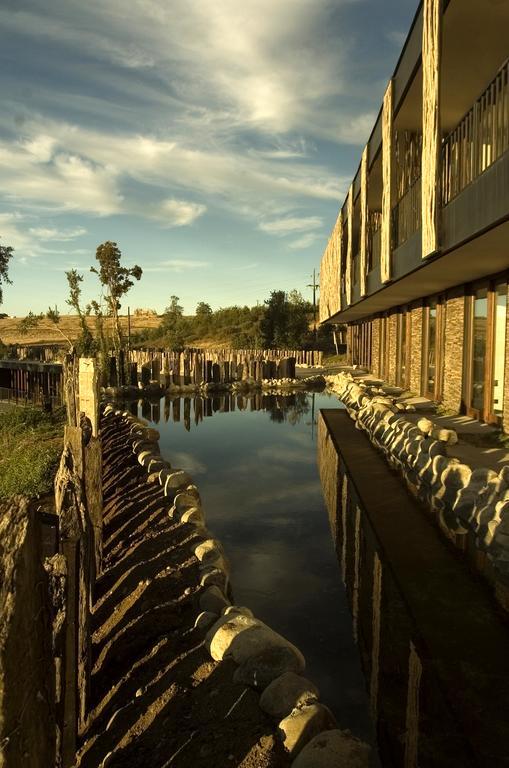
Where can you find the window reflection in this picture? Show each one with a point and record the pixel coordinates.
(479, 348)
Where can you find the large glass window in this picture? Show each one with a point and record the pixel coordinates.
(485, 351)
(499, 348)
(479, 348)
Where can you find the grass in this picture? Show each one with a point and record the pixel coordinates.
(30, 448)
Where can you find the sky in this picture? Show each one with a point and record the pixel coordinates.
(213, 140)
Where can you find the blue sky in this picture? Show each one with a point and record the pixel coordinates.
(213, 140)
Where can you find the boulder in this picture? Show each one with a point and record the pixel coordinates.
(193, 515)
(285, 693)
(205, 619)
(260, 670)
(213, 600)
(175, 480)
(333, 748)
(302, 724)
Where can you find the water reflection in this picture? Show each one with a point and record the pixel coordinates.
(291, 407)
(253, 458)
(414, 721)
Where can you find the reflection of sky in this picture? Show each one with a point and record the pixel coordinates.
(262, 497)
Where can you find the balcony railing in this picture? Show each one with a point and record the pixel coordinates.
(374, 249)
(479, 140)
(406, 215)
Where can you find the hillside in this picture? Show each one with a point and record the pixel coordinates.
(69, 324)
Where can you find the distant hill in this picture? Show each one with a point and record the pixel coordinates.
(48, 334)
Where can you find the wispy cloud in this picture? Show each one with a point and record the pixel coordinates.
(306, 241)
(177, 265)
(181, 213)
(52, 233)
(290, 225)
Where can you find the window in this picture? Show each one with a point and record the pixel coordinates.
(485, 342)
(433, 349)
(402, 356)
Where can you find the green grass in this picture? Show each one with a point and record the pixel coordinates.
(30, 448)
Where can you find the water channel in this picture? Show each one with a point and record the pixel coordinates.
(274, 489)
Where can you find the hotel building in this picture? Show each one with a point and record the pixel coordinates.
(417, 264)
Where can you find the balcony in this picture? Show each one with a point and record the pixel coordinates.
(406, 215)
(480, 139)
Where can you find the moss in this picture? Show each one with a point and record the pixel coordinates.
(30, 447)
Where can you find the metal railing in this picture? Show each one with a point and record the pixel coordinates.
(481, 138)
(406, 215)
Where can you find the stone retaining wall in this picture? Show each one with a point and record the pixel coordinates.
(264, 660)
(470, 505)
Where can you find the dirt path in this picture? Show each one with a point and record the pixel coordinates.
(157, 697)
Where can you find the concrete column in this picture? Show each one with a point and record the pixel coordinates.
(387, 184)
(363, 240)
(349, 254)
(431, 129)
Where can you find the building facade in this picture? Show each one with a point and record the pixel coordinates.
(417, 264)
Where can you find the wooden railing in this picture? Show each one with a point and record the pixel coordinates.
(479, 140)
(406, 215)
(374, 249)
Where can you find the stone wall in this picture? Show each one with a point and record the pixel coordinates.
(505, 417)
(375, 345)
(392, 353)
(330, 274)
(471, 506)
(453, 349)
(416, 320)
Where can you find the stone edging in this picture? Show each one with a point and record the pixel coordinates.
(471, 505)
(265, 660)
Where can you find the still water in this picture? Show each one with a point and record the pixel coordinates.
(254, 461)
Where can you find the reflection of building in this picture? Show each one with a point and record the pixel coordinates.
(417, 261)
(433, 647)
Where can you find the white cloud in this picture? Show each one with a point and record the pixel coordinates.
(181, 213)
(290, 225)
(303, 242)
(52, 233)
(177, 265)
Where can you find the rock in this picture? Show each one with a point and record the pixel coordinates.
(157, 464)
(425, 425)
(286, 692)
(213, 600)
(145, 458)
(222, 633)
(215, 576)
(333, 748)
(302, 724)
(242, 637)
(205, 619)
(193, 515)
(448, 436)
(208, 545)
(176, 479)
(237, 609)
(260, 670)
(186, 499)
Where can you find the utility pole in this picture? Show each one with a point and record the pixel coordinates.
(314, 285)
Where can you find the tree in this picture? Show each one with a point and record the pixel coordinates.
(116, 280)
(274, 321)
(50, 318)
(174, 326)
(86, 345)
(5, 256)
